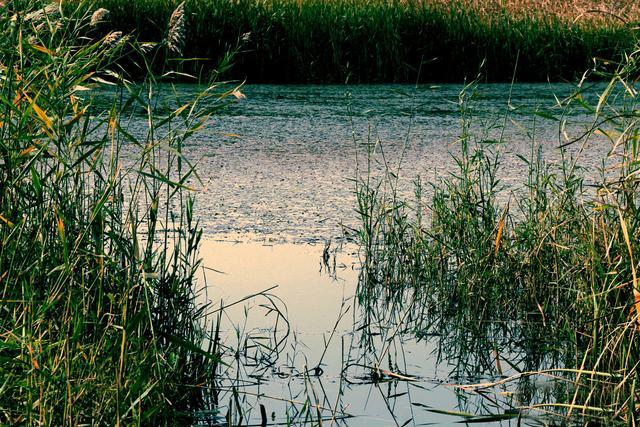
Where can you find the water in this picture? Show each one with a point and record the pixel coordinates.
(280, 163)
(326, 328)
(276, 185)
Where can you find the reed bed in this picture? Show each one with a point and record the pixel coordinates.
(548, 270)
(371, 41)
(98, 241)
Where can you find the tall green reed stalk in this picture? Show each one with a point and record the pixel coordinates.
(98, 240)
(552, 264)
(369, 41)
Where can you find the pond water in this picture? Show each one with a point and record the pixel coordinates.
(326, 328)
(281, 162)
(276, 200)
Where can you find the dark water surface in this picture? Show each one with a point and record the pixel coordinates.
(280, 163)
(277, 172)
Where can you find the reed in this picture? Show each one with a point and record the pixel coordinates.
(390, 41)
(548, 270)
(98, 241)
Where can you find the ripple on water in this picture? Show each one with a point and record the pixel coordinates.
(282, 161)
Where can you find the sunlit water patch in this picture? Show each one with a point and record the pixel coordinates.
(329, 359)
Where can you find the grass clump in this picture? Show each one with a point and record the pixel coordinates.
(98, 241)
(388, 40)
(548, 270)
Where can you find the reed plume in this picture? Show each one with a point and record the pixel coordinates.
(177, 30)
(51, 11)
(99, 17)
(114, 38)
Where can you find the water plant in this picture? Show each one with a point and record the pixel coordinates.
(98, 239)
(367, 41)
(549, 267)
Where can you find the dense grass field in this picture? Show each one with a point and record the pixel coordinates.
(391, 41)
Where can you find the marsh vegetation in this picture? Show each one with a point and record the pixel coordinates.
(376, 41)
(513, 271)
(549, 264)
(98, 256)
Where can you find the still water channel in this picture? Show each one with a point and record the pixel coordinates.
(276, 200)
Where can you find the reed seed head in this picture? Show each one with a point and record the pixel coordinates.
(146, 48)
(99, 17)
(52, 11)
(114, 38)
(177, 30)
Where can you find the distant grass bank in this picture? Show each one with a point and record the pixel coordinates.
(370, 41)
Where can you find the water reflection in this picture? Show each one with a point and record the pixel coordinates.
(309, 352)
(305, 344)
